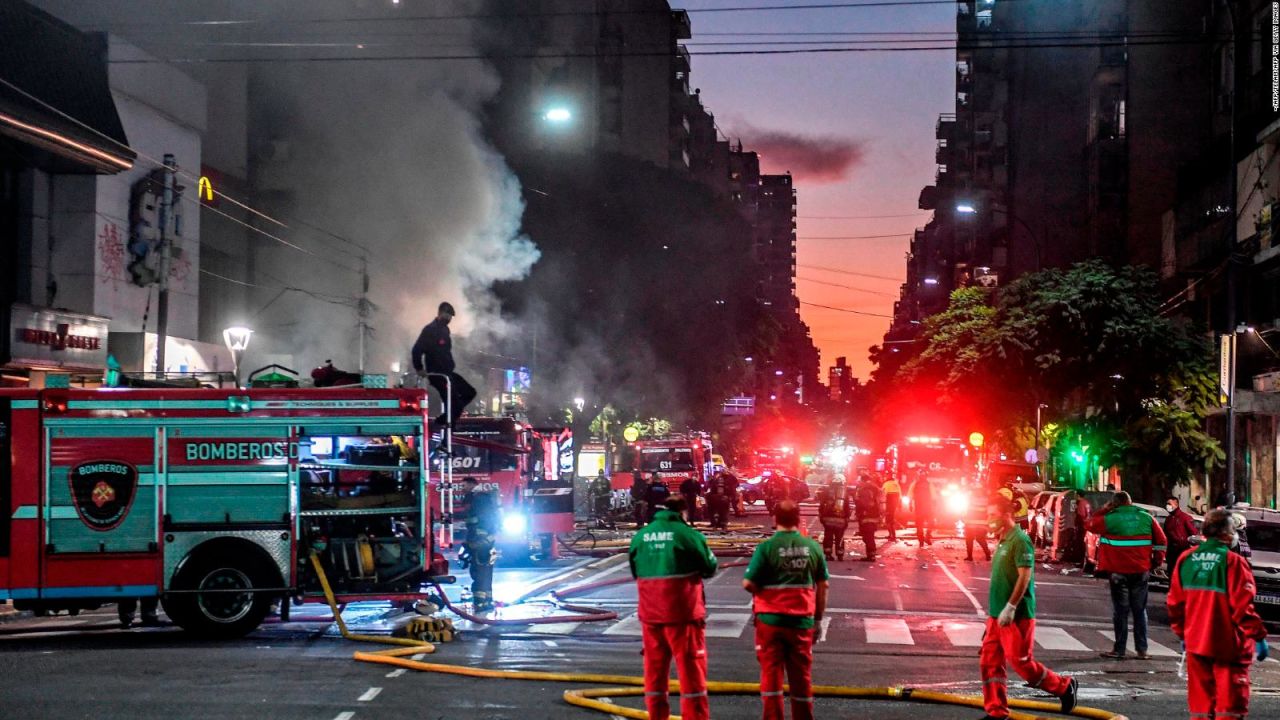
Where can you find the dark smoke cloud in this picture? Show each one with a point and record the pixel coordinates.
(811, 158)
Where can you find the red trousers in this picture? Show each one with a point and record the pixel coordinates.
(1216, 689)
(1011, 644)
(687, 644)
(790, 648)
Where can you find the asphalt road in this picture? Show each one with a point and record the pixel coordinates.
(909, 619)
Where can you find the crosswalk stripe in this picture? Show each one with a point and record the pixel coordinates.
(888, 631)
(565, 628)
(629, 625)
(964, 634)
(1153, 647)
(727, 625)
(1055, 638)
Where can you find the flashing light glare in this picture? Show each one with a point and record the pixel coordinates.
(630, 434)
(976, 439)
(514, 524)
(786, 451)
(966, 209)
(773, 397)
(957, 503)
(558, 115)
(748, 358)
(777, 372)
(923, 439)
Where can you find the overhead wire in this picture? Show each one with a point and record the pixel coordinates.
(845, 310)
(854, 273)
(846, 287)
(854, 237)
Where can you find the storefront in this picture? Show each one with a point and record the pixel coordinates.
(42, 341)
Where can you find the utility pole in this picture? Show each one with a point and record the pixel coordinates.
(1232, 239)
(166, 255)
(362, 308)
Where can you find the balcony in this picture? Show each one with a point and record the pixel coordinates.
(945, 128)
(682, 63)
(681, 28)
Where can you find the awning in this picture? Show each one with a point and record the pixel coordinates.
(54, 94)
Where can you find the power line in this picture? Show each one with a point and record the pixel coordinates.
(860, 217)
(853, 237)
(852, 272)
(846, 310)
(846, 287)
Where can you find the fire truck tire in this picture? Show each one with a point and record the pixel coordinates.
(220, 615)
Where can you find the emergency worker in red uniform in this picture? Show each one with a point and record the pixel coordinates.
(1011, 618)
(788, 578)
(1211, 610)
(669, 559)
(1130, 544)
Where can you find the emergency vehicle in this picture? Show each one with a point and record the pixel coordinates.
(214, 500)
(675, 458)
(951, 466)
(510, 459)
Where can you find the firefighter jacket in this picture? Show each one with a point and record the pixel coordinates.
(922, 495)
(690, 489)
(835, 506)
(1211, 603)
(669, 559)
(481, 520)
(433, 352)
(1129, 540)
(868, 502)
(891, 487)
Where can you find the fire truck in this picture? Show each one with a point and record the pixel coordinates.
(674, 458)
(950, 464)
(213, 500)
(509, 459)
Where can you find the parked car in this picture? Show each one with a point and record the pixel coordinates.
(1038, 518)
(1264, 539)
(1158, 576)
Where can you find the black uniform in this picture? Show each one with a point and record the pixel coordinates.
(690, 489)
(482, 529)
(639, 498)
(720, 499)
(655, 496)
(433, 353)
(834, 510)
(922, 505)
(868, 515)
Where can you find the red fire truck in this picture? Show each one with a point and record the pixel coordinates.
(212, 500)
(675, 458)
(507, 458)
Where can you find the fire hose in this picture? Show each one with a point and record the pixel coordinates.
(630, 685)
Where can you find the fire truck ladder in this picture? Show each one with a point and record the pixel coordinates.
(445, 537)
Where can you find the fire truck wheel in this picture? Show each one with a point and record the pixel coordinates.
(222, 612)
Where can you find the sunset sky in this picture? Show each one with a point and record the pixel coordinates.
(872, 115)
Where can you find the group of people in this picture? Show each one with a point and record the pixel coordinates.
(837, 505)
(649, 494)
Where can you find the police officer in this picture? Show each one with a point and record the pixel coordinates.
(868, 515)
(719, 499)
(834, 511)
(669, 560)
(482, 528)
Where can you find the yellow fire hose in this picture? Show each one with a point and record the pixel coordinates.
(630, 685)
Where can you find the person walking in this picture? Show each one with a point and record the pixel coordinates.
(482, 528)
(834, 510)
(1211, 610)
(922, 502)
(868, 514)
(892, 501)
(1011, 624)
(669, 561)
(1130, 544)
(787, 579)
(127, 606)
(1179, 527)
(975, 528)
(691, 490)
(433, 359)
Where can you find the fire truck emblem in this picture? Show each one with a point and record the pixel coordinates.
(103, 492)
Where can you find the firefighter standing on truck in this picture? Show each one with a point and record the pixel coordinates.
(669, 560)
(834, 510)
(787, 578)
(482, 527)
(433, 358)
(1011, 619)
(1211, 610)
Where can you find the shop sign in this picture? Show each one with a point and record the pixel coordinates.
(43, 338)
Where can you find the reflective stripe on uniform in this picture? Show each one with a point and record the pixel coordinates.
(801, 699)
(770, 693)
(1124, 543)
(998, 681)
(694, 695)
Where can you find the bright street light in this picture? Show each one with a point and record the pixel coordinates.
(931, 281)
(558, 115)
(966, 208)
(579, 403)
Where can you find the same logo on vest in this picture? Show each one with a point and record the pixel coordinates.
(103, 492)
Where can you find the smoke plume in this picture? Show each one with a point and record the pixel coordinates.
(811, 158)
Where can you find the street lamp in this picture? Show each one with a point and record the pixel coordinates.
(237, 340)
(558, 115)
(967, 208)
(1039, 407)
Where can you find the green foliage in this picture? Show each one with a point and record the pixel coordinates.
(1119, 379)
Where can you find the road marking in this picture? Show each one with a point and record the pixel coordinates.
(897, 600)
(344, 715)
(964, 634)
(727, 625)
(976, 605)
(1054, 638)
(369, 694)
(555, 628)
(1153, 647)
(824, 626)
(397, 673)
(629, 625)
(550, 643)
(847, 577)
(888, 631)
(419, 657)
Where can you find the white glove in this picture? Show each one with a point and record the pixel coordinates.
(1007, 614)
